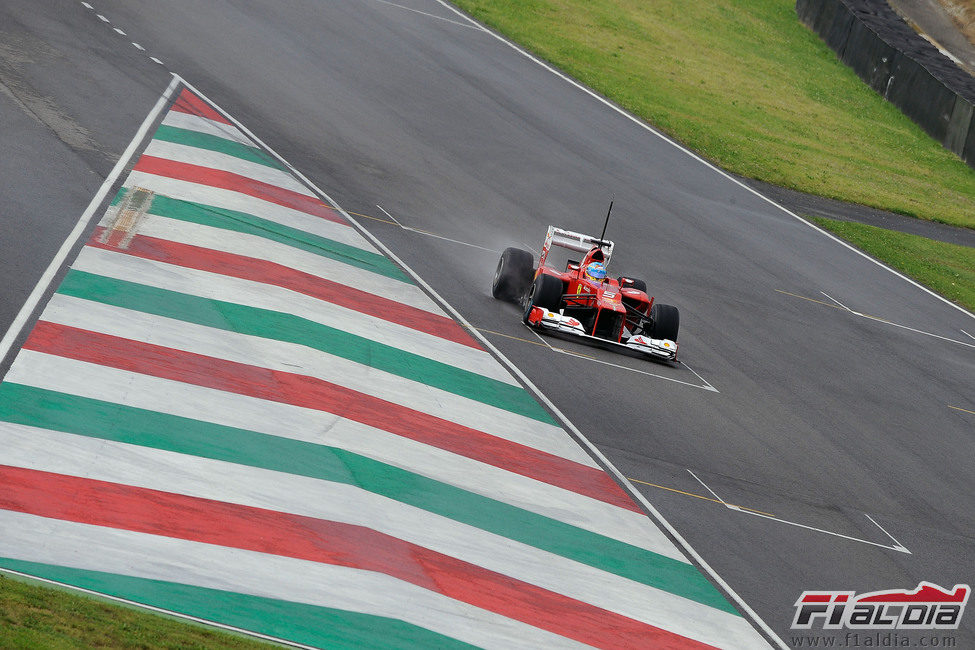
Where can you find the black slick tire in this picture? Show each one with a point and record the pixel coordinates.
(665, 322)
(513, 275)
(545, 292)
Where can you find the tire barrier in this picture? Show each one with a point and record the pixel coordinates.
(903, 67)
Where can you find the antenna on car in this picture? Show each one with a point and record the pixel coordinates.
(606, 222)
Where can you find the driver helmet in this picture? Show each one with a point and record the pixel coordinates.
(596, 271)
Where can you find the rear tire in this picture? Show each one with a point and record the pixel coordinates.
(666, 322)
(545, 292)
(513, 275)
(632, 283)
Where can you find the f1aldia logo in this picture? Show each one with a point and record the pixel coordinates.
(929, 607)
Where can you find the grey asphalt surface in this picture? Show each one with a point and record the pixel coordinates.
(821, 416)
(71, 99)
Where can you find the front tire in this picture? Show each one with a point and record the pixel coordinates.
(513, 275)
(545, 292)
(665, 322)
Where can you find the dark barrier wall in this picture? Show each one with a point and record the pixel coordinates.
(900, 65)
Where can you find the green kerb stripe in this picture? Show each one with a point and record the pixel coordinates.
(249, 224)
(280, 326)
(56, 411)
(311, 625)
(216, 143)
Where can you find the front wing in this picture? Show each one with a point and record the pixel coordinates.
(558, 323)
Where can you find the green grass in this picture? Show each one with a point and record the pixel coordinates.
(32, 616)
(948, 269)
(744, 83)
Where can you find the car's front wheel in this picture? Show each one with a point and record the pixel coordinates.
(665, 321)
(545, 292)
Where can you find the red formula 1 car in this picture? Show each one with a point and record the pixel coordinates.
(581, 301)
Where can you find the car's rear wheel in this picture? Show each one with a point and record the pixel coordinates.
(665, 321)
(632, 283)
(513, 275)
(545, 292)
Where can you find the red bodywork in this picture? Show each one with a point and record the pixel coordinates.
(601, 307)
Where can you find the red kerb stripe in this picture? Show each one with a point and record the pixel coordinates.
(190, 103)
(314, 393)
(237, 183)
(250, 268)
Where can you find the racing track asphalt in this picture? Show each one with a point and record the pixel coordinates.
(820, 416)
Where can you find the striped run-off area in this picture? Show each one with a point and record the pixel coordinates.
(236, 408)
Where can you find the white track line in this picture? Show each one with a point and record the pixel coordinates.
(430, 234)
(428, 15)
(650, 129)
(836, 301)
(898, 546)
(570, 353)
(20, 321)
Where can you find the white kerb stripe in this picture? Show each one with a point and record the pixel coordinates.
(290, 358)
(230, 200)
(115, 264)
(261, 248)
(200, 124)
(225, 162)
(93, 381)
(249, 293)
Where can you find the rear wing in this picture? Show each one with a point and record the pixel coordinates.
(574, 241)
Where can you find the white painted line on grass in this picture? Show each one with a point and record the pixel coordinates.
(22, 317)
(701, 160)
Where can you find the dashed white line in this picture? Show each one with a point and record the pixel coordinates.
(119, 31)
(138, 47)
(152, 58)
(87, 6)
(102, 18)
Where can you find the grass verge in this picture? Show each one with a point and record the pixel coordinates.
(33, 616)
(947, 269)
(744, 83)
